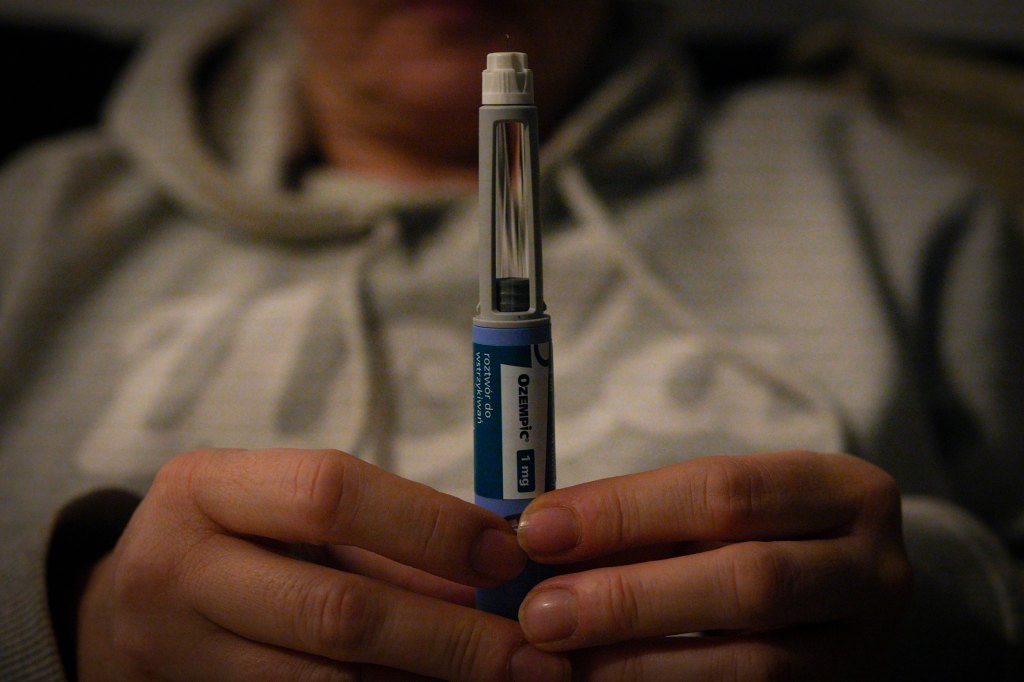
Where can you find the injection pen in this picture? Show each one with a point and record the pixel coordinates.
(513, 426)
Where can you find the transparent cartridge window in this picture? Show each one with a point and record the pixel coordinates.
(513, 217)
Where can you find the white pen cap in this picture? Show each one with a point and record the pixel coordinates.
(507, 80)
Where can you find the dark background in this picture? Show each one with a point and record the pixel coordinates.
(59, 58)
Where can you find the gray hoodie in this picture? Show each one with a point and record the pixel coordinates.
(768, 273)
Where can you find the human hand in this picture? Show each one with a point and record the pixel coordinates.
(791, 565)
(205, 582)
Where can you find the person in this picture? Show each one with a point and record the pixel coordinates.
(270, 247)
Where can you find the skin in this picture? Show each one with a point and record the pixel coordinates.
(393, 86)
(794, 561)
(213, 579)
(286, 564)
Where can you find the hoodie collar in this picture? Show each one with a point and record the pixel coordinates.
(967, 107)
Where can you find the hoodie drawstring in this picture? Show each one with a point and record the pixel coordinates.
(596, 218)
(366, 381)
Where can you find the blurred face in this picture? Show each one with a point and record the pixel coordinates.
(412, 67)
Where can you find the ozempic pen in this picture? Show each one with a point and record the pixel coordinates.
(513, 417)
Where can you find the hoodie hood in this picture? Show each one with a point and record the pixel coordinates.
(210, 111)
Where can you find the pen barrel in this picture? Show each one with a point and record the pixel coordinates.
(511, 274)
(513, 436)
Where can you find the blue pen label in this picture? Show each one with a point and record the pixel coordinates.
(512, 420)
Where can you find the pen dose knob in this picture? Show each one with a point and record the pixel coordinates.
(507, 79)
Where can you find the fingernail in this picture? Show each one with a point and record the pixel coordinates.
(497, 555)
(530, 665)
(549, 531)
(549, 615)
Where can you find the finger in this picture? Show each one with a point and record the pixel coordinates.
(818, 654)
(265, 597)
(765, 497)
(830, 654)
(326, 496)
(701, 658)
(223, 656)
(352, 559)
(357, 560)
(751, 585)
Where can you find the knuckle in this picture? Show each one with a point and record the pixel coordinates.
(464, 650)
(474, 649)
(142, 571)
(730, 493)
(619, 517)
(339, 616)
(177, 474)
(325, 490)
(762, 581)
(133, 575)
(622, 604)
(177, 486)
(436, 544)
